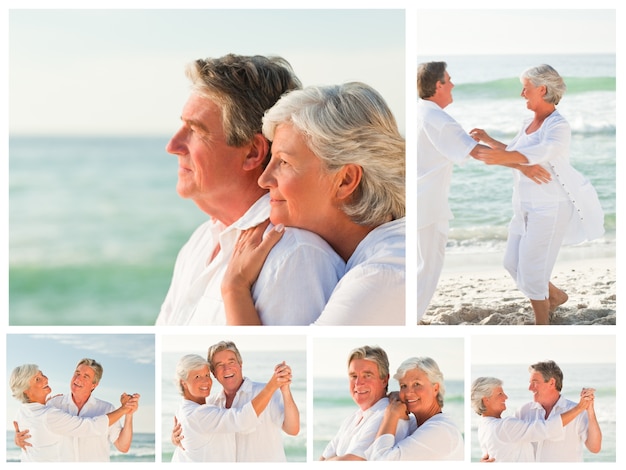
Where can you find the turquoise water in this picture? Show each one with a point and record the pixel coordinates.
(94, 228)
(576, 376)
(486, 95)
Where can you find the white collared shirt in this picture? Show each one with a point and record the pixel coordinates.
(358, 431)
(436, 439)
(510, 439)
(372, 291)
(570, 447)
(51, 429)
(441, 143)
(293, 287)
(264, 442)
(209, 431)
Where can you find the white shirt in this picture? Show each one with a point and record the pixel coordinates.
(293, 287)
(568, 449)
(436, 439)
(510, 439)
(372, 291)
(87, 448)
(441, 143)
(264, 442)
(549, 147)
(48, 426)
(209, 431)
(358, 431)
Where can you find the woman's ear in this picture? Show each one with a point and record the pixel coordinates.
(257, 154)
(349, 178)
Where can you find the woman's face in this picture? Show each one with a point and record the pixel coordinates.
(301, 191)
(198, 383)
(418, 393)
(496, 403)
(533, 94)
(38, 388)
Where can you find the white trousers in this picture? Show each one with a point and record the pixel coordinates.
(431, 248)
(535, 236)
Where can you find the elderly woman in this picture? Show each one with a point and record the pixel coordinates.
(561, 210)
(510, 439)
(48, 425)
(433, 435)
(209, 430)
(338, 170)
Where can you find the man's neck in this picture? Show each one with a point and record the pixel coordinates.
(230, 394)
(80, 402)
(229, 212)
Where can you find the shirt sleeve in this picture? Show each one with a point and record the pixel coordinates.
(451, 141)
(368, 295)
(65, 424)
(210, 419)
(516, 430)
(549, 143)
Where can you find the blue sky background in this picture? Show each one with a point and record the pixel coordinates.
(128, 361)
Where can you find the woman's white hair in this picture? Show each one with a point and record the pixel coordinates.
(350, 124)
(483, 388)
(20, 381)
(429, 367)
(545, 75)
(185, 364)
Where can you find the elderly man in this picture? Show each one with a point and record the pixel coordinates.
(368, 373)
(221, 154)
(81, 402)
(546, 382)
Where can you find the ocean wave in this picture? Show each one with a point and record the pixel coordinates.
(506, 87)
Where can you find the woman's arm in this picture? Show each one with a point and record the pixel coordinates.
(243, 270)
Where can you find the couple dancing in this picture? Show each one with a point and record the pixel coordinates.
(53, 431)
(549, 429)
(242, 424)
(553, 204)
(404, 425)
(335, 177)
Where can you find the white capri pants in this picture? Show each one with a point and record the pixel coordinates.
(431, 249)
(536, 233)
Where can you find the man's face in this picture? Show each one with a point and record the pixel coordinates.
(445, 89)
(207, 166)
(227, 370)
(366, 386)
(539, 387)
(82, 383)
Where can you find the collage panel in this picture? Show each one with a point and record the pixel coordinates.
(237, 398)
(353, 419)
(144, 188)
(516, 167)
(80, 397)
(543, 398)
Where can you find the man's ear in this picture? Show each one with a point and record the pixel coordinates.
(349, 178)
(257, 153)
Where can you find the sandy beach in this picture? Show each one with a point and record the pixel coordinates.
(482, 293)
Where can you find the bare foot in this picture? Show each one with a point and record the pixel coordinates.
(556, 296)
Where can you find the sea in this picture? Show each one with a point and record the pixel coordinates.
(258, 366)
(141, 450)
(332, 404)
(95, 224)
(487, 95)
(576, 376)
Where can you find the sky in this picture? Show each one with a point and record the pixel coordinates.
(128, 361)
(121, 71)
(526, 349)
(517, 31)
